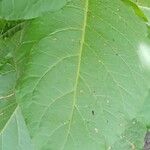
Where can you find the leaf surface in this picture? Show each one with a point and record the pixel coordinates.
(144, 5)
(14, 135)
(86, 80)
(27, 9)
(13, 132)
(7, 82)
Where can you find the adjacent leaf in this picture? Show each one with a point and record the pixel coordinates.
(13, 131)
(9, 28)
(14, 135)
(7, 82)
(143, 2)
(144, 5)
(87, 77)
(27, 9)
(138, 12)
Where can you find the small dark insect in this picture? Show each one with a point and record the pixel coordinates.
(93, 113)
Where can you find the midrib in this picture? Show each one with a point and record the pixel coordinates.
(80, 52)
(79, 65)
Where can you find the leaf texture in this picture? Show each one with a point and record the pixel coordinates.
(14, 135)
(27, 9)
(86, 80)
(7, 82)
(82, 76)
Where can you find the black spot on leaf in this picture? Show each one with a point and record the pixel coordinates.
(93, 113)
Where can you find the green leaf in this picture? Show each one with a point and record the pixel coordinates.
(27, 9)
(87, 77)
(144, 5)
(9, 28)
(8, 78)
(127, 139)
(14, 135)
(143, 2)
(138, 12)
(7, 82)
